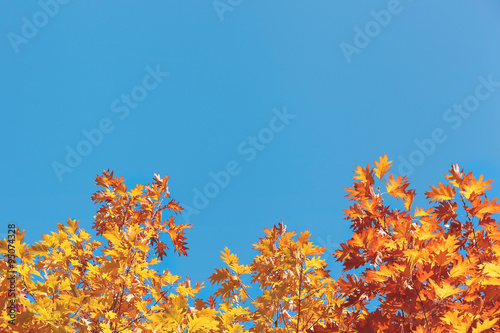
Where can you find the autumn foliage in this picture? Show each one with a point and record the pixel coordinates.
(406, 268)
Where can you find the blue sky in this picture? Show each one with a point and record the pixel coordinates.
(291, 96)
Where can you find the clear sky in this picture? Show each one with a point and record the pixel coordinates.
(287, 96)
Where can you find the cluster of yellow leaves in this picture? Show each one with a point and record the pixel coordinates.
(70, 288)
(431, 270)
(296, 291)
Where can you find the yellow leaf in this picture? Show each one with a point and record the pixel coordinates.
(84, 235)
(201, 324)
(39, 249)
(105, 328)
(114, 236)
(93, 270)
(315, 262)
(396, 187)
(476, 186)
(228, 258)
(136, 191)
(460, 269)
(364, 174)
(487, 324)
(445, 291)
(381, 274)
(460, 324)
(442, 192)
(421, 212)
(492, 270)
(382, 166)
(237, 328)
(110, 315)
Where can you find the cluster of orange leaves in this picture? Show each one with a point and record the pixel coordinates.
(428, 270)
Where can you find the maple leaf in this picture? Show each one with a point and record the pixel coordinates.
(461, 269)
(160, 250)
(480, 209)
(361, 190)
(477, 187)
(200, 324)
(408, 199)
(114, 236)
(174, 206)
(457, 322)
(492, 270)
(421, 212)
(455, 176)
(233, 262)
(382, 166)
(219, 275)
(381, 274)
(365, 174)
(445, 290)
(178, 236)
(443, 192)
(315, 263)
(397, 187)
(211, 302)
(446, 211)
(137, 191)
(484, 325)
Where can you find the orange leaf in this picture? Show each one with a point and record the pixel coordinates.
(364, 174)
(476, 186)
(382, 166)
(397, 187)
(444, 192)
